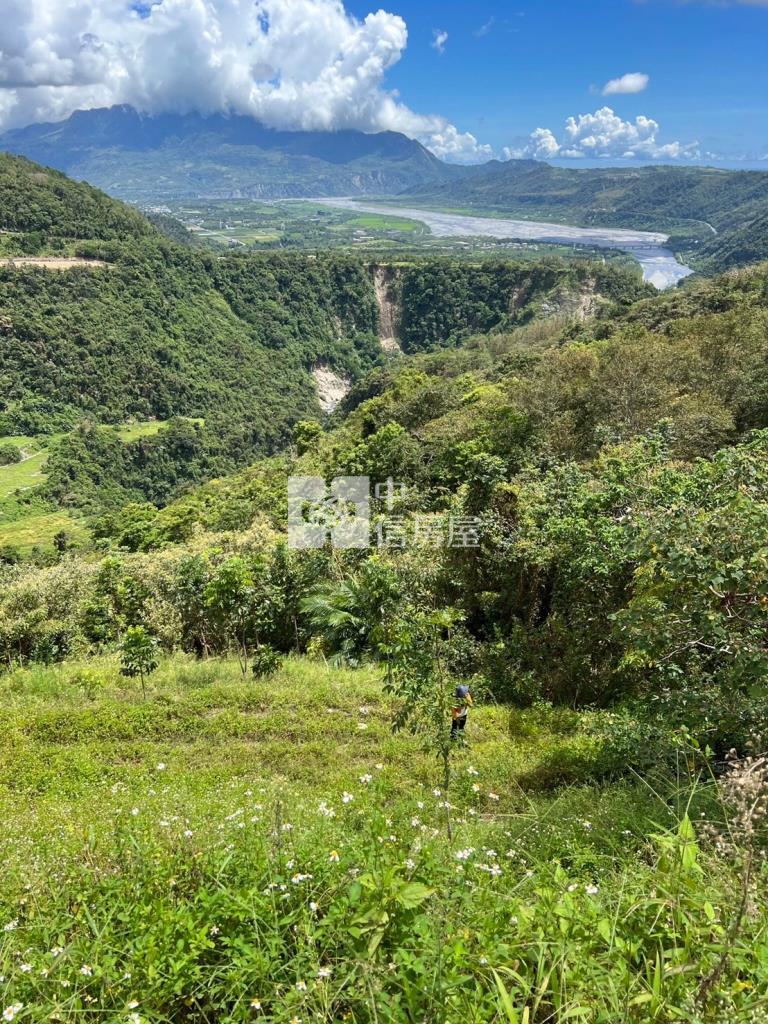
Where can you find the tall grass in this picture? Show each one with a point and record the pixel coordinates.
(268, 851)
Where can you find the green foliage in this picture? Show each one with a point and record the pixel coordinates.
(444, 301)
(9, 454)
(416, 652)
(234, 336)
(737, 246)
(265, 661)
(353, 617)
(138, 654)
(230, 595)
(43, 202)
(698, 606)
(306, 434)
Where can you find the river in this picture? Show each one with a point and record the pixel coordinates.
(660, 267)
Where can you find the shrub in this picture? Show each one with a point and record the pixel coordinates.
(9, 453)
(265, 661)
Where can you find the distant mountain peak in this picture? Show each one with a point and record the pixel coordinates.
(152, 156)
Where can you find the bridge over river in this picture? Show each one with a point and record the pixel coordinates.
(659, 264)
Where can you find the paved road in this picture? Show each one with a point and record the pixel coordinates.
(659, 264)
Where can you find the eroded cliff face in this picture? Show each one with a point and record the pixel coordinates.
(331, 388)
(384, 280)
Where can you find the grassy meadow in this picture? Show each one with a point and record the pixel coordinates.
(236, 850)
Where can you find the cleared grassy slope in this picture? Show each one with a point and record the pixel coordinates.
(235, 851)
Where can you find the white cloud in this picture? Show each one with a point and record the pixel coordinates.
(633, 82)
(603, 135)
(486, 27)
(291, 63)
(440, 38)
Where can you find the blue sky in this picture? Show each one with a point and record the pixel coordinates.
(509, 68)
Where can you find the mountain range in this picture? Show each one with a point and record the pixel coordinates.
(174, 156)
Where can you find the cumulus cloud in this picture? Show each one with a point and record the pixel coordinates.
(603, 134)
(439, 39)
(290, 63)
(633, 82)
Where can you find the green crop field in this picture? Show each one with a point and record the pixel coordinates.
(378, 222)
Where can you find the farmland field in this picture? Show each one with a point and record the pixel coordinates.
(305, 224)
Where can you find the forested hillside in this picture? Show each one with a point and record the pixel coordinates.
(162, 332)
(243, 758)
(584, 449)
(35, 199)
(141, 329)
(442, 302)
(734, 246)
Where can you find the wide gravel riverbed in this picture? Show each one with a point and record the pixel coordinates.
(660, 266)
